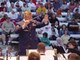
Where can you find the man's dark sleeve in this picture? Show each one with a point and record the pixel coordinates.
(41, 25)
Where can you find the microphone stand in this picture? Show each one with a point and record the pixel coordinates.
(55, 56)
(6, 54)
(17, 56)
(64, 56)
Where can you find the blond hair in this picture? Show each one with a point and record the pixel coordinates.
(27, 15)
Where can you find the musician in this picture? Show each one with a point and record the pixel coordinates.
(34, 56)
(73, 56)
(41, 48)
(27, 33)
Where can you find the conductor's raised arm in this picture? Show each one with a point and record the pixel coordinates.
(44, 22)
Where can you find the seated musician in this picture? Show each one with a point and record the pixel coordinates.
(41, 48)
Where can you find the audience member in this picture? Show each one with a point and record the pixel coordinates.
(2, 13)
(59, 41)
(72, 5)
(20, 2)
(57, 26)
(76, 1)
(76, 15)
(72, 48)
(64, 6)
(13, 15)
(8, 5)
(2, 7)
(69, 15)
(72, 39)
(65, 37)
(26, 8)
(12, 7)
(55, 33)
(32, 6)
(41, 9)
(52, 9)
(8, 27)
(48, 4)
(45, 39)
(63, 28)
(3, 18)
(61, 48)
(20, 16)
(77, 8)
(58, 12)
(56, 4)
(73, 27)
(38, 4)
(17, 6)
